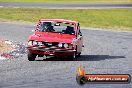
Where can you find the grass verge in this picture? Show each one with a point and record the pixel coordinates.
(71, 1)
(117, 19)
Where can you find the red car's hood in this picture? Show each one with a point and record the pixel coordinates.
(52, 37)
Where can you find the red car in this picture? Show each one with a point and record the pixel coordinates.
(55, 37)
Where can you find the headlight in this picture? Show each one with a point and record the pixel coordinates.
(70, 46)
(30, 43)
(65, 45)
(35, 43)
(60, 45)
(40, 43)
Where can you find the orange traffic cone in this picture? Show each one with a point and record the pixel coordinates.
(81, 71)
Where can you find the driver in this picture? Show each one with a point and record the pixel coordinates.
(47, 27)
(70, 30)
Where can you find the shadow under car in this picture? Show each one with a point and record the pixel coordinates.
(83, 58)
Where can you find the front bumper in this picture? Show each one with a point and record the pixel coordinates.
(51, 50)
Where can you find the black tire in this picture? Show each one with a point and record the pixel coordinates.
(81, 80)
(72, 57)
(78, 55)
(31, 57)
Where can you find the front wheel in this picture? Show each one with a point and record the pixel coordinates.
(31, 57)
(78, 55)
(73, 56)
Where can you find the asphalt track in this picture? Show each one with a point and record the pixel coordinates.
(62, 6)
(104, 52)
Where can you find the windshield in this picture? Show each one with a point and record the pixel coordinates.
(56, 27)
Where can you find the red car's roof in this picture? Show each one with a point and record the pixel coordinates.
(59, 20)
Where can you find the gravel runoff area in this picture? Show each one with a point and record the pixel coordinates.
(104, 52)
(4, 46)
(10, 49)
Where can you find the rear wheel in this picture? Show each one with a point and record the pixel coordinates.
(31, 56)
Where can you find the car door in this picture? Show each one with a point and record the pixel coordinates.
(79, 39)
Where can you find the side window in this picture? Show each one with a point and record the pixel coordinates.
(78, 26)
(79, 31)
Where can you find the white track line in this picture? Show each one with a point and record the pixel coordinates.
(1, 6)
(16, 7)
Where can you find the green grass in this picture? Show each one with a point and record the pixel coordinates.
(71, 1)
(118, 19)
